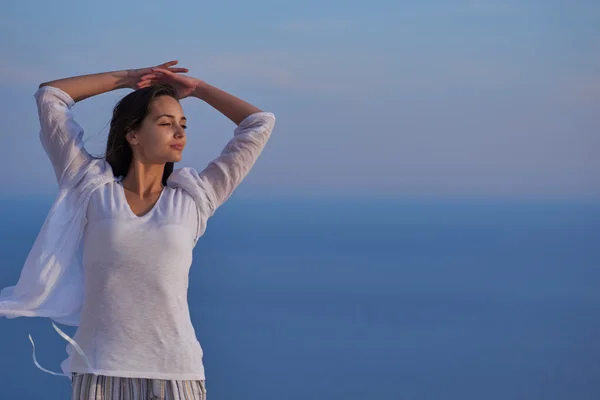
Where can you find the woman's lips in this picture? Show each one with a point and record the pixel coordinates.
(177, 147)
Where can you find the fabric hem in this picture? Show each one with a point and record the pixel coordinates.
(142, 375)
(64, 96)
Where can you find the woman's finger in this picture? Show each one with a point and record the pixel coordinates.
(145, 85)
(179, 70)
(169, 63)
(148, 81)
(162, 70)
(149, 76)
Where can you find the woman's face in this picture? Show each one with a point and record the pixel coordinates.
(161, 137)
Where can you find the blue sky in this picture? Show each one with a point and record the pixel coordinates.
(381, 99)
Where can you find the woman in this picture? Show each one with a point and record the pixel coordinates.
(133, 221)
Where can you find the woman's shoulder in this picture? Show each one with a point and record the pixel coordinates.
(181, 173)
(93, 175)
(189, 181)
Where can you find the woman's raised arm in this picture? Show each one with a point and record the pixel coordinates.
(84, 86)
(221, 176)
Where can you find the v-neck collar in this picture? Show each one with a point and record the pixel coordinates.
(149, 212)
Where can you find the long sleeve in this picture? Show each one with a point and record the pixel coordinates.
(223, 174)
(61, 135)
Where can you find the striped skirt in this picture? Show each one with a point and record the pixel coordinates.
(100, 387)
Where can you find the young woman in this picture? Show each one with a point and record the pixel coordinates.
(135, 220)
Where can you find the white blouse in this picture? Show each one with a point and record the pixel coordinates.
(129, 294)
(135, 321)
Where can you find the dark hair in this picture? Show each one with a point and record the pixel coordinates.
(128, 115)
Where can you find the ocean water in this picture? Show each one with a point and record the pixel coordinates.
(349, 299)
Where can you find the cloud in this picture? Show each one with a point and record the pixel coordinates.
(493, 6)
(314, 72)
(347, 73)
(322, 26)
(581, 91)
(11, 74)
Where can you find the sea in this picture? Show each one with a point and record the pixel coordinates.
(379, 299)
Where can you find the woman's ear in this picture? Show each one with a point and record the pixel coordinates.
(132, 138)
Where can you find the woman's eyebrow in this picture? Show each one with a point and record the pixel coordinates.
(168, 115)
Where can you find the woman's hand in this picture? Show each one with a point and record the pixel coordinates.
(184, 85)
(232, 107)
(134, 76)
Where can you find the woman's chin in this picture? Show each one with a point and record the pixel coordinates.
(175, 158)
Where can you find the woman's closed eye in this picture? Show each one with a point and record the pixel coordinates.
(169, 124)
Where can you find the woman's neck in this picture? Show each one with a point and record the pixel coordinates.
(144, 179)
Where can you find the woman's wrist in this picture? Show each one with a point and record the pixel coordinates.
(200, 90)
(127, 78)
